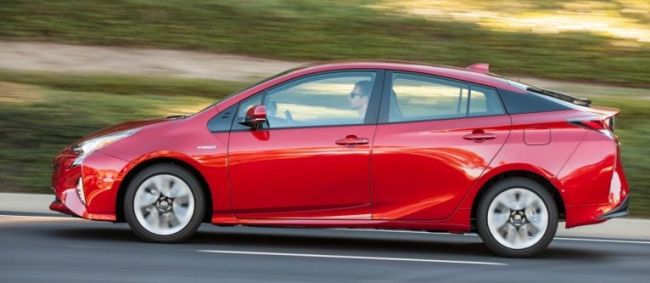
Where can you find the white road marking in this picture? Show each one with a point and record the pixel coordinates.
(4, 218)
(603, 240)
(354, 257)
(599, 240)
(34, 216)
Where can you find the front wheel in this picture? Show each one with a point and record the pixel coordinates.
(517, 217)
(164, 203)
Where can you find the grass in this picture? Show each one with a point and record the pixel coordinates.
(311, 29)
(41, 113)
(123, 84)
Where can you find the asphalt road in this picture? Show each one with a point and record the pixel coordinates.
(63, 249)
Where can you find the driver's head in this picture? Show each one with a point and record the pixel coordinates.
(360, 94)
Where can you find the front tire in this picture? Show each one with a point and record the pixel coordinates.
(164, 203)
(517, 217)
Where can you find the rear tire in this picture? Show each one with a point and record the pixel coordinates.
(164, 203)
(517, 217)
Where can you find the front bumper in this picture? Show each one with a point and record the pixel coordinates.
(72, 205)
(57, 206)
(88, 190)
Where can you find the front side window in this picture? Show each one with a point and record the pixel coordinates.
(420, 97)
(339, 98)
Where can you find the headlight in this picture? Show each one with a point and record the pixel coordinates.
(87, 147)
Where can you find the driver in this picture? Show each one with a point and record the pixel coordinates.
(360, 96)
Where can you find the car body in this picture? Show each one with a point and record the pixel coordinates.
(410, 160)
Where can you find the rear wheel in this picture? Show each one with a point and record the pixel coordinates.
(164, 203)
(517, 217)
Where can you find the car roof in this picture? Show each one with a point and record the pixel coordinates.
(477, 76)
(463, 74)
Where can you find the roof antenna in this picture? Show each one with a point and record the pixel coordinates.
(483, 68)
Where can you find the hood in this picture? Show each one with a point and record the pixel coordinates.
(127, 126)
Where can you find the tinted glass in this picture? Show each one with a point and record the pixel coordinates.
(518, 103)
(328, 99)
(222, 121)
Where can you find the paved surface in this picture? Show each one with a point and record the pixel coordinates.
(58, 249)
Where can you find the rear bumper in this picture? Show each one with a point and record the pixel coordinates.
(622, 210)
(593, 183)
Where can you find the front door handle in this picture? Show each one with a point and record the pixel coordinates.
(479, 136)
(352, 140)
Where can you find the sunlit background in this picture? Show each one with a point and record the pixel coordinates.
(68, 68)
(625, 20)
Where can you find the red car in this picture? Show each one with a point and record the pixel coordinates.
(359, 144)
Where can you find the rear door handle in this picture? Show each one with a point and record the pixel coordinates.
(352, 140)
(479, 136)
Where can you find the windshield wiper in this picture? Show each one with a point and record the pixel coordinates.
(178, 116)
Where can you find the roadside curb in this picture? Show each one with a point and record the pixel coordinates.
(26, 203)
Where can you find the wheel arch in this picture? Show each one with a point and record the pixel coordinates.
(119, 212)
(553, 190)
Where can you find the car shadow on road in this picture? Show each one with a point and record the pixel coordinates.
(329, 241)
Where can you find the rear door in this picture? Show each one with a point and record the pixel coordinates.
(435, 138)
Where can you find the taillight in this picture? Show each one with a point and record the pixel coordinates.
(604, 126)
(610, 123)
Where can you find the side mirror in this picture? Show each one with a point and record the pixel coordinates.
(255, 117)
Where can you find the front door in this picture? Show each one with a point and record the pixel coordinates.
(312, 159)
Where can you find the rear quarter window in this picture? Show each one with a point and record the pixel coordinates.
(518, 103)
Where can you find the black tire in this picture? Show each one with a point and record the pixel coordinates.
(482, 217)
(196, 191)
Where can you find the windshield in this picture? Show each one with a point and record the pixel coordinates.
(249, 87)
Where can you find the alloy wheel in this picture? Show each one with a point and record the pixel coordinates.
(163, 204)
(517, 218)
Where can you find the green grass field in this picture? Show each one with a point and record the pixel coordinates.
(40, 113)
(312, 29)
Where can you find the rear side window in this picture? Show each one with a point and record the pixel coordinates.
(484, 101)
(518, 103)
(420, 97)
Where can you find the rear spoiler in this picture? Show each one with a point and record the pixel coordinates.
(603, 121)
(606, 112)
(565, 97)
